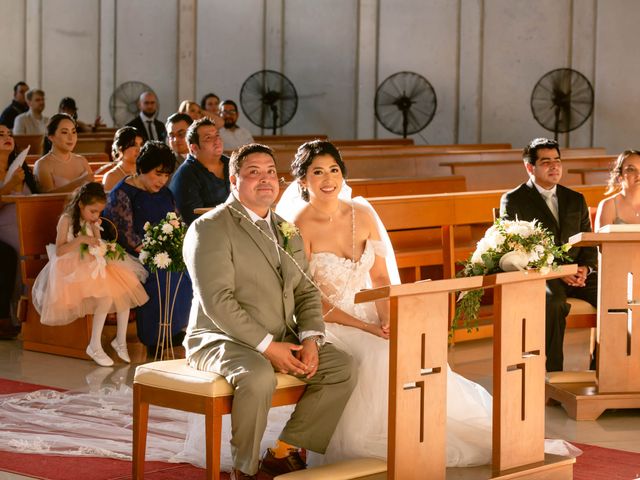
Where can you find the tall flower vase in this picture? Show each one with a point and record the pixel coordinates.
(166, 305)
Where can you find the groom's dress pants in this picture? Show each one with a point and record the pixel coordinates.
(316, 414)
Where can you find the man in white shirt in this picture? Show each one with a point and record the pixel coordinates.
(563, 212)
(233, 136)
(32, 122)
(146, 122)
(177, 125)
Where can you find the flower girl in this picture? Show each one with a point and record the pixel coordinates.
(86, 275)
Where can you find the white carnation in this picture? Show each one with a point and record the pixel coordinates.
(162, 260)
(167, 228)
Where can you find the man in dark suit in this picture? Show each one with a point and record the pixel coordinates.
(17, 106)
(146, 122)
(564, 213)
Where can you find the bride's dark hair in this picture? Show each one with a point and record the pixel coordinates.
(305, 155)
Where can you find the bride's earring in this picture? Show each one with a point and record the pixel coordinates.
(304, 193)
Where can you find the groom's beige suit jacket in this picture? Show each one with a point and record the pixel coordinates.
(240, 294)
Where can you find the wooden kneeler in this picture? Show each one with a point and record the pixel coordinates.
(174, 384)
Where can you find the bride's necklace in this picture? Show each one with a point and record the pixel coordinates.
(120, 167)
(330, 215)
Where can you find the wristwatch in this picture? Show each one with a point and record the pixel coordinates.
(318, 339)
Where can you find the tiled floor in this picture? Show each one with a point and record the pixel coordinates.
(614, 429)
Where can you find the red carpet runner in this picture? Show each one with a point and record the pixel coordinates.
(596, 463)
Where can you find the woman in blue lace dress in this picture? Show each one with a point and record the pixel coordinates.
(134, 201)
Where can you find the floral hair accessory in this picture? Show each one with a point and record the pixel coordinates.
(508, 245)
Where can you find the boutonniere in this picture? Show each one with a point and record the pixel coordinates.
(288, 230)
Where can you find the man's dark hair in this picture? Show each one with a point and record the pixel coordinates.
(530, 152)
(18, 85)
(240, 155)
(192, 133)
(228, 102)
(178, 117)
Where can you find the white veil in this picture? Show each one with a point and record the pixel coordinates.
(291, 203)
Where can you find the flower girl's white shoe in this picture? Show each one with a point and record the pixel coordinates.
(99, 357)
(121, 350)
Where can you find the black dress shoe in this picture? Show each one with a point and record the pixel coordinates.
(238, 475)
(279, 466)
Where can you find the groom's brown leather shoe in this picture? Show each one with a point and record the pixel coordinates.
(279, 466)
(238, 475)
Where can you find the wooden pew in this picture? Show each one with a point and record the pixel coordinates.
(23, 141)
(591, 175)
(37, 219)
(419, 160)
(500, 173)
(93, 145)
(391, 187)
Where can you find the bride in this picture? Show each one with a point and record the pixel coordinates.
(348, 250)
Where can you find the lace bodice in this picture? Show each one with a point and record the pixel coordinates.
(341, 278)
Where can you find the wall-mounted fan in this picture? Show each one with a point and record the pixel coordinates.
(123, 102)
(405, 103)
(562, 100)
(268, 99)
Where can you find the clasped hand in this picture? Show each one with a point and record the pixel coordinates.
(291, 358)
(579, 279)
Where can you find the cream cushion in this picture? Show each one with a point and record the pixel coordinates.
(580, 307)
(585, 376)
(358, 468)
(177, 375)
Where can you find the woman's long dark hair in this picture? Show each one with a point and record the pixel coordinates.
(29, 179)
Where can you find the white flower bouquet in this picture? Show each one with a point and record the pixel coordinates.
(162, 244)
(508, 245)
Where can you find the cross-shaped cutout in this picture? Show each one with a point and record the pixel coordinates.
(521, 366)
(627, 311)
(424, 370)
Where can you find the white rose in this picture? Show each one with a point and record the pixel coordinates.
(162, 260)
(544, 270)
(147, 226)
(167, 228)
(172, 216)
(143, 256)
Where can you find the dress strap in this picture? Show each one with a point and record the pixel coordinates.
(353, 233)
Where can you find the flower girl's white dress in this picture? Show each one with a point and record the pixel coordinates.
(76, 284)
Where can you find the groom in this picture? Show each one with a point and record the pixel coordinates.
(255, 313)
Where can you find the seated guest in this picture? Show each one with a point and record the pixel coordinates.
(32, 122)
(125, 150)
(68, 106)
(210, 107)
(233, 136)
(203, 179)
(20, 181)
(146, 122)
(61, 170)
(191, 108)
(136, 200)
(563, 212)
(17, 106)
(624, 206)
(177, 125)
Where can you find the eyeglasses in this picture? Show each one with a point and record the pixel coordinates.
(229, 112)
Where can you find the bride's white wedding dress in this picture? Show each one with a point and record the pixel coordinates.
(362, 430)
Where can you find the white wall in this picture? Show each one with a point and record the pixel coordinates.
(483, 57)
